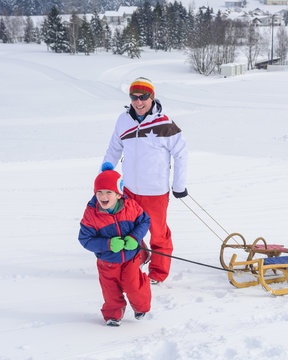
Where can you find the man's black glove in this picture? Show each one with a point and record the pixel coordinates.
(179, 195)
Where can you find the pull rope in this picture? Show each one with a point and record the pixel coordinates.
(210, 216)
(182, 259)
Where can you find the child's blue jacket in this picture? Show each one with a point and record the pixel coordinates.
(98, 227)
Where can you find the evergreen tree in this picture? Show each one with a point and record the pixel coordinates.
(142, 23)
(37, 35)
(136, 22)
(190, 28)
(56, 35)
(107, 37)
(159, 28)
(117, 42)
(44, 32)
(47, 5)
(5, 7)
(131, 42)
(98, 30)
(176, 18)
(4, 34)
(29, 30)
(27, 7)
(86, 38)
(285, 17)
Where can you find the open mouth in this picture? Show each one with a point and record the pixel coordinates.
(104, 203)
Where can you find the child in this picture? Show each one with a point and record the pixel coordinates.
(112, 227)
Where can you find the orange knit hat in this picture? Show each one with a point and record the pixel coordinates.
(142, 86)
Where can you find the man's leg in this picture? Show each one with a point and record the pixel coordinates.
(156, 208)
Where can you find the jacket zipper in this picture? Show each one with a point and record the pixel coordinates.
(135, 162)
(119, 232)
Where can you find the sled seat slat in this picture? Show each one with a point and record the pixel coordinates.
(266, 248)
(276, 260)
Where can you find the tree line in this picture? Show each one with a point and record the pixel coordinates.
(208, 39)
(42, 7)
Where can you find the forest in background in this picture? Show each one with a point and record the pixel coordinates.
(209, 39)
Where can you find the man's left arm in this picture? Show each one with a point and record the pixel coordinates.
(178, 150)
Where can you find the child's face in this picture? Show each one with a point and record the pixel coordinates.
(107, 198)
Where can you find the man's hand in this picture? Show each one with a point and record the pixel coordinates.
(179, 195)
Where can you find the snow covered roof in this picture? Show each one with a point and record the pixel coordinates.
(121, 12)
(128, 10)
(110, 13)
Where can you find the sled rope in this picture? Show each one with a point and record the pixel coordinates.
(182, 259)
(209, 215)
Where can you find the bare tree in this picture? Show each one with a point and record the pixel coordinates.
(74, 29)
(254, 45)
(282, 44)
(15, 26)
(202, 47)
(224, 36)
(203, 59)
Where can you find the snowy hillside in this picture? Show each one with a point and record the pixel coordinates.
(220, 4)
(57, 115)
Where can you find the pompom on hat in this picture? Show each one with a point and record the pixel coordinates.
(109, 179)
(142, 86)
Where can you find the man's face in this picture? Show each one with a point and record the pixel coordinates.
(141, 106)
(107, 198)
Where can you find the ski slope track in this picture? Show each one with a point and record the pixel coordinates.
(57, 115)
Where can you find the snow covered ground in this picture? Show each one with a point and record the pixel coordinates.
(220, 5)
(57, 115)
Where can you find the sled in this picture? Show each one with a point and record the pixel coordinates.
(265, 271)
(269, 268)
(270, 250)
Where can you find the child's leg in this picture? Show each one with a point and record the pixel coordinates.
(109, 277)
(136, 285)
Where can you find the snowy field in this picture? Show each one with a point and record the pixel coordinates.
(57, 115)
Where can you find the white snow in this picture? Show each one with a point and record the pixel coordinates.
(57, 114)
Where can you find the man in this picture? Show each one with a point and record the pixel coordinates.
(148, 138)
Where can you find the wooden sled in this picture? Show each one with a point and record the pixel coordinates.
(259, 269)
(270, 250)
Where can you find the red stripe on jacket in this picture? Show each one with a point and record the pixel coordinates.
(164, 118)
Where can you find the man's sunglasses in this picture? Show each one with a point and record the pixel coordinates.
(140, 97)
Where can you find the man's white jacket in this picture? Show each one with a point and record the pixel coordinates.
(147, 148)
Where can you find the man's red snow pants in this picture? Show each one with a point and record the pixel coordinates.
(156, 208)
(115, 279)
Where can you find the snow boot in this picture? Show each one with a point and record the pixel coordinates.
(139, 316)
(113, 322)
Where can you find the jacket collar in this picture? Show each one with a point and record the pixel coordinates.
(120, 207)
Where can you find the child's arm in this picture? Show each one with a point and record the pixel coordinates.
(91, 241)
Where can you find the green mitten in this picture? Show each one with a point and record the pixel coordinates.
(130, 243)
(116, 244)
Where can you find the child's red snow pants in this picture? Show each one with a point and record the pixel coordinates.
(115, 279)
(156, 208)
